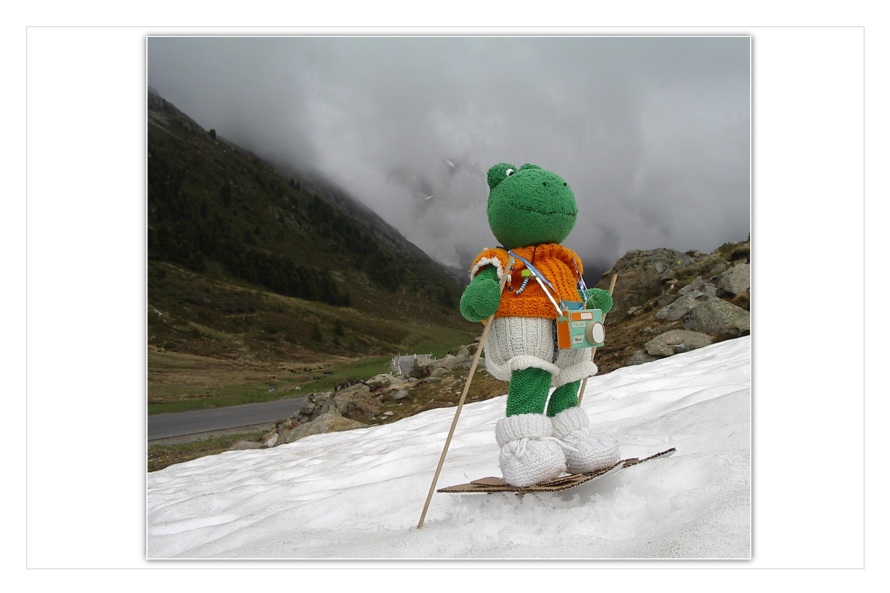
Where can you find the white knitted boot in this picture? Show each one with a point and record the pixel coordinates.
(529, 454)
(584, 451)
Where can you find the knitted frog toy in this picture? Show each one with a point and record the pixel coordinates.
(531, 211)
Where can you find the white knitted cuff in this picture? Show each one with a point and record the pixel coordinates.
(527, 361)
(568, 421)
(488, 261)
(576, 372)
(521, 426)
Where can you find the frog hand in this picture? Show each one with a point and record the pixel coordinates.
(481, 298)
(597, 298)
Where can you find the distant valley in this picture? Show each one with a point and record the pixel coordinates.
(271, 275)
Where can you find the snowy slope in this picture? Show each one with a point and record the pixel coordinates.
(359, 494)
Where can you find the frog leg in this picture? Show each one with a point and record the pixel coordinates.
(529, 453)
(563, 398)
(584, 450)
(528, 391)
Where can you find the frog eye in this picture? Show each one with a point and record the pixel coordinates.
(500, 172)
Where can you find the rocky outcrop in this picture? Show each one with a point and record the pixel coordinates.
(360, 404)
(380, 381)
(676, 341)
(643, 274)
(679, 308)
(736, 280)
(357, 402)
(331, 421)
(717, 317)
(667, 302)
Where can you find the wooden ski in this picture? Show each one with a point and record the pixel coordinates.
(493, 484)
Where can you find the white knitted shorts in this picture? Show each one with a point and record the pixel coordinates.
(516, 343)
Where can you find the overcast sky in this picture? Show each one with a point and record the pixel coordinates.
(652, 133)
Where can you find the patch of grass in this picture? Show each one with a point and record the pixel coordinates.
(202, 398)
(445, 340)
(359, 369)
(180, 382)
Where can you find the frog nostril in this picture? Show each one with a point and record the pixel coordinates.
(564, 184)
(545, 184)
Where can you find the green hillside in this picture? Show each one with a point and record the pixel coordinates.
(247, 265)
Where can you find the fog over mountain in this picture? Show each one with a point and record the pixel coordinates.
(652, 133)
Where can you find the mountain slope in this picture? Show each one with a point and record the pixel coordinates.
(244, 262)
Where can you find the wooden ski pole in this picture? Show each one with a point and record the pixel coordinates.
(463, 396)
(593, 353)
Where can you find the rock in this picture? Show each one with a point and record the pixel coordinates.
(718, 269)
(406, 386)
(676, 341)
(357, 402)
(737, 279)
(314, 405)
(696, 284)
(664, 300)
(396, 395)
(717, 317)
(331, 421)
(440, 372)
(270, 440)
(452, 362)
(381, 381)
(678, 308)
(358, 388)
(288, 435)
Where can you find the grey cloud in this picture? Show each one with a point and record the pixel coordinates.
(652, 132)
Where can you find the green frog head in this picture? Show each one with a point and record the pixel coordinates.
(529, 206)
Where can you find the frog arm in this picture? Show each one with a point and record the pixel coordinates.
(597, 298)
(483, 295)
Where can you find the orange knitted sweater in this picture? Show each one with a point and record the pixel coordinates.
(555, 262)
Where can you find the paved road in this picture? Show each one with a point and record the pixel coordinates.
(161, 426)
